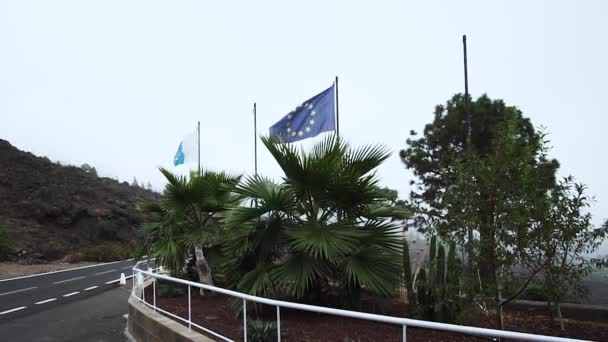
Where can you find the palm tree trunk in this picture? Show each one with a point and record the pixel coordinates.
(202, 267)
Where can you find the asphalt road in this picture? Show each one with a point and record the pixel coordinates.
(99, 318)
(35, 304)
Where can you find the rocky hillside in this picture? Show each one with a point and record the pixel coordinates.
(50, 211)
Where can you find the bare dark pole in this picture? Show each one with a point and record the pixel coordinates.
(255, 138)
(466, 91)
(337, 109)
(468, 157)
(198, 133)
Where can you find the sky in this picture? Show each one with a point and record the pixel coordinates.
(118, 84)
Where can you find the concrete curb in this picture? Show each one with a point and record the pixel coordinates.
(147, 325)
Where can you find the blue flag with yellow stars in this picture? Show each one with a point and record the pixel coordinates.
(312, 117)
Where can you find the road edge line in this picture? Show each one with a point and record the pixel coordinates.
(66, 270)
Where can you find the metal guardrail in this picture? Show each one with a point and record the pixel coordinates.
(139, 279)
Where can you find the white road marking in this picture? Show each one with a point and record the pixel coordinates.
(46, 301)
(7, 293)
(124, 268)
(13, 310)
(65, 281)
(71, 294)
(66, 270)
(91, 288)
(105, 272)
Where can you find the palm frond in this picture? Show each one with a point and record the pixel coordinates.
(258, 281)
(297, 274)
(325, 242)
(373, 268)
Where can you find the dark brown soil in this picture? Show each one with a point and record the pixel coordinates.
(214, 312)
(48, 209)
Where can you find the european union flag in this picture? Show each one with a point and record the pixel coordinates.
(314, 116)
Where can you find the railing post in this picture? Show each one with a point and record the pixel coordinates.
(154, 294)
(189, 310)
(278, 323)
(244, 320)
(404, 333)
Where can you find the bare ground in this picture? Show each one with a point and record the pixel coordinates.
(216, 313)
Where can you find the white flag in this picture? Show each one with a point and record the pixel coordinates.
(187, 152)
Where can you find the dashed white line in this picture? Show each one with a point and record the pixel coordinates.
(7, 293)
(124, 268)
(13, 310)
(65, 281)
(46, 301)
(71, 294)
(91, 288)
(105, 272)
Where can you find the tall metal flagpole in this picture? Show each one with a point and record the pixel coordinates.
(255, 137)
(337, 109)
(467, 113)
(466, 90)
(198, 131)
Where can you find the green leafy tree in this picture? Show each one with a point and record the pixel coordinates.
(326, 226)
(490, 188)
(568, 243)
(187, 217)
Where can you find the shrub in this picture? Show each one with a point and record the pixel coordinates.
(260, 331)
(170, 289)
(407, 277)
(107, 251)
(438, 285)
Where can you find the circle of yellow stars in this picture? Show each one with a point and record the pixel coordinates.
(310, 122)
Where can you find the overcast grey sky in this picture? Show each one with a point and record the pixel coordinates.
(117, 84)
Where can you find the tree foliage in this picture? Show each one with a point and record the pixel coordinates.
(326, 226)
(487, 188)
(568, 243)
(496, 195)
(187, 219)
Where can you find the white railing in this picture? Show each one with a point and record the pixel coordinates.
(139, 279)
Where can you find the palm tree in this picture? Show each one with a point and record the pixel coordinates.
(326, 226)
(187, 218)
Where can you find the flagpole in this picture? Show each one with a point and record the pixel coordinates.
(255, 137)
(198, 132)
(337, 109)
(467, 113)
(466, 90)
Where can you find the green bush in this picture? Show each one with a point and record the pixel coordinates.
(260, 331)
(108, 251)
(438, 285)
(170, 289)
(407, 277)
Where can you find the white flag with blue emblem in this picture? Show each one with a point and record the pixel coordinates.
(187, 151)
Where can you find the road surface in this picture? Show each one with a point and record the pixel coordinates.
(77, 304)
